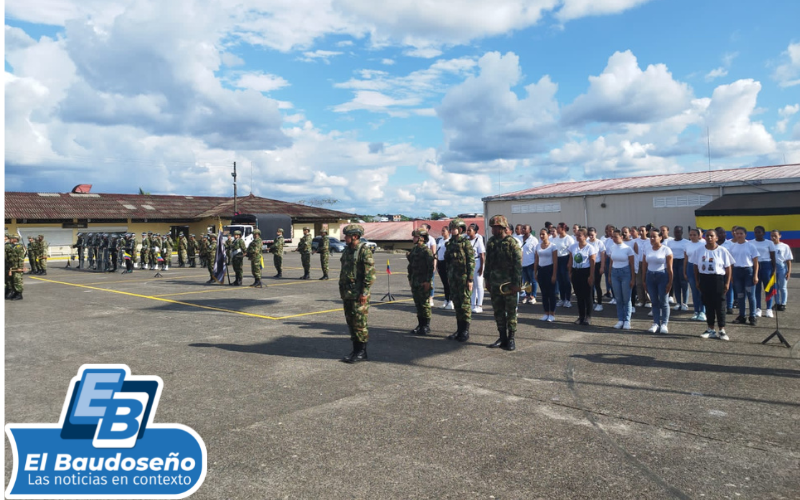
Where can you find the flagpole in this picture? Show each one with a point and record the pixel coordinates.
(388, 283)
(770, 294)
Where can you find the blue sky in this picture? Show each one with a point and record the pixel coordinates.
(395, 106)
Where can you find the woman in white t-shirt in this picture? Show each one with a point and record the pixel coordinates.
(766, 267)
(713, 271)
(640, 247)
(480, 260)
(545, 265)
(657, 263)
(695, 244)
(783, 268)
(745, 274)
(562, 242)
(582, 256)
(623, 277)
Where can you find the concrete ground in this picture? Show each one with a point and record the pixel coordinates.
(575, 412)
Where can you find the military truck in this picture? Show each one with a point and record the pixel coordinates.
(267, 223)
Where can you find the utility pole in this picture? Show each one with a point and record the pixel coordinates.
(235, 209)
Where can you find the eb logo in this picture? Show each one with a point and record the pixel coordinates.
(111, 407)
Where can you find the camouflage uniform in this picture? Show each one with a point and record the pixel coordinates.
(277, 251)
(355, 279)
(503, 265)
(254, 254)
(16, 261)
(182, 255)
(324, 250)
(211, 248)
(144, 253)
(191, 250)
(33, 261)
(237, 257)
(43, 249)
(9, 282)
(420, 270)
(155, 250)
(304, 247)
(460, 259)
(166, 250)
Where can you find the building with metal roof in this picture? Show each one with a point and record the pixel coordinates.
(60, 216)
(397, 235)
(658, 199)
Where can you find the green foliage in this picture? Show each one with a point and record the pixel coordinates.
(438, 215)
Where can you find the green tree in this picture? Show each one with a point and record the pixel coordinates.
(438, 215)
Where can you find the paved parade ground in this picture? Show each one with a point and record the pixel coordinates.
(574, 412)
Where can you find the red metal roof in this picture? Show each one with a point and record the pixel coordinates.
(401, 231)
(714, 177)
(33, 206)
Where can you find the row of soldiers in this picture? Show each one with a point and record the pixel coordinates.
(38, 251)
(105, 251)
(15, 262)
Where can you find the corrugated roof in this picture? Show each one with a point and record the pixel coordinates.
(704, 178)
(33, 206)
(401, 231)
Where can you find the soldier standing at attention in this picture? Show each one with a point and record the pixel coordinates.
(304, 247)
(228, 246)
(144, 252)
(460, 258)
(191, 250)
(16, 263)
(503, 265)
(32, 260)
(44, 251)
(80, 244)
(211, 249)
(277, 251)
(167, 250)
(9, 283)
(237, 257)
(182, 244)
(324, 251)
(155, 250)
(420, 270)
(201, 249)
(254, 254)
(355, 279)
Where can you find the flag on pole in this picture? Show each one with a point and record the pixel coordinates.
(770, 289)
(388, 268)
(220, 267)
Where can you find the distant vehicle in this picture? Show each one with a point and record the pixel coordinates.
(370, 244)
(267, 223)
(335, 245)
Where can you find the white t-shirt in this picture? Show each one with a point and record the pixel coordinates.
(598, 245)
(657, 259)
(712, 261)
(642, 245)
(727, 245)
(764, 247)
(528, 249)
(783, 253)
(743, 254)
(545, 254)
(479, 248)
(432, 244)
(692, 250)
(562, 244)
(678, 248)
(580, 256)
(440, 247)
(619, 254)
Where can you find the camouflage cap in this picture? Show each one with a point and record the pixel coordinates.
(143, 234)
(8, 235)
(353, 230)
(13, 236)
(498, 220)
(257, 231)
(280, 230)
(41, 236)
(180, 233)
(237, 232)
(422, 231)
(306, 228)
(191, 236)
(30, 237)
(458, 222)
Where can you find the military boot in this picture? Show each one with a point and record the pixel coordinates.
(257, 284)
(418, 329)
(359, 353)
(16, 296)
(426, 326)
(9, 293)
(464, 335)
(456, 333)
(212, 280)
(510, 345)
(279, 275)
(501, 341)
(306, 277)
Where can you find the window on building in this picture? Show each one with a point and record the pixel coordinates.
(536, 208)
(691, 200)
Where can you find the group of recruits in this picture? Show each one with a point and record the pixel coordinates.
(15, 265)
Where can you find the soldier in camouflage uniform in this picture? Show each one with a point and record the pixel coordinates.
(420, 270)
(16, 262)
(201, 249)
(460, 258)
(237, 257)
(43, 247)
(191, 250)
(503, 269)
(166, 252)
(155, 250)
(324, 251)
(304, 247)
(277, 251)
(254, 254)
(144, 253)
(32, 259)
(9, 282)
(211, 249)
(182, 254)
(355, 279)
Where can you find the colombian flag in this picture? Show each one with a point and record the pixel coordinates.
(388, 269)
(770, 289)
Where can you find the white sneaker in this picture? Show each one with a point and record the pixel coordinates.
(430, 301)
(758, 313)
(532, 301)
(166, 268)
(474, 309)
(633, 309)
(559, 303)
(695, 316)
(676, 307)
(769, 314)
(701, 316)
(478, 309)
(598, 307)
(653, 328)
(545, 317)
(664, 329)
(612, 301)
(626, 325)
(551, 318)
(639, 304)
(649, 305)
(672, 300)
(567, 304)
(444, 304)
(684, 307)
(723, 335)
(618, 325)
(449, 306)
(650, 313)
(709, 334)
(136, 265)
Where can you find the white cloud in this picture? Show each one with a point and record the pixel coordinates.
(574, 9)
(787, 73)
(625, 93)
(387, 61)
(785, 112)
(728, 118)
(601, 158)
(716, 73)
(320, 55)
(374, 102)
(261, 82)
(231, 60)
